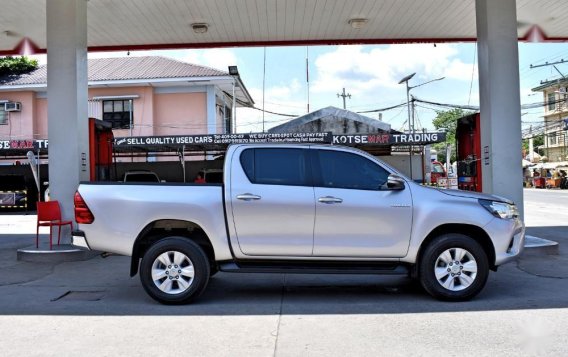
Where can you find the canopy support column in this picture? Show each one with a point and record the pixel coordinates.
(67, 96)
(500, 99)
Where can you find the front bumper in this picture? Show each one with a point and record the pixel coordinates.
(508, 236)
(79, 240)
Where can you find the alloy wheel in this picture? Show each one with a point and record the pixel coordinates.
(173, 272)
(455, 269)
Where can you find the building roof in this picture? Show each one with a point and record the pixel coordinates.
(339, 121)
(139, 70)
(121, 69)
(550, 83)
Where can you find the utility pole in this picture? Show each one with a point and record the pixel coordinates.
(412, 122)
(553, 64)
(344, 95)
(411, 109)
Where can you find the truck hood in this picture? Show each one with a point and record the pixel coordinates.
(475, 195)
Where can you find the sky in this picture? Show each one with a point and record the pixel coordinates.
(369, 73)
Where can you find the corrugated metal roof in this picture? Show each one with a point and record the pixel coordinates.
(123, 68)
(551, 83)
(331, 118)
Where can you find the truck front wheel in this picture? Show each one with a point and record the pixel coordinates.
(174, 271)
(454, 267)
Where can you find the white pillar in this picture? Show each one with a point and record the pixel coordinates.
(500, 99)
(67, 99)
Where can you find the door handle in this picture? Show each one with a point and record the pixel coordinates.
(248, 197)
(329, 200)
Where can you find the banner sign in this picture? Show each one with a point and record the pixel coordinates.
(312, 138)
(390, 139)
(23, 144)
(225, 139)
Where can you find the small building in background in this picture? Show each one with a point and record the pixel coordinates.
(139, 96)
(555, 94)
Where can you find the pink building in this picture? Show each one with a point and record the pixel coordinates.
(139, 96)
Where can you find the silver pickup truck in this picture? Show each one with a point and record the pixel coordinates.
(299, 209)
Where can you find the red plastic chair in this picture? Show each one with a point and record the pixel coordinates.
(49, 215)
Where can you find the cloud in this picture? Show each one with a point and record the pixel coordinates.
(218, 58)
(362, 69)
(285, 98)
(41, 59)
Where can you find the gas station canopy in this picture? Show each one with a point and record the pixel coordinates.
(154, 24)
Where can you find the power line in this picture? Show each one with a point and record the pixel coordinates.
(383, 109)
(472, 74)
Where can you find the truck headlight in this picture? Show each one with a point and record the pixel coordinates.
(500, 209)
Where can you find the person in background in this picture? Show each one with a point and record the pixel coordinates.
(563, 180)
(199, 178)
(527, 175)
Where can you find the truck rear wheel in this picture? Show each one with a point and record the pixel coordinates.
(174, 271)
(454, 267)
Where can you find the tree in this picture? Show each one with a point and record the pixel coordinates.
(448, 121)
(538, 141)
(16, 65)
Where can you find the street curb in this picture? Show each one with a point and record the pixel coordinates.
(61, 254)
(540, 246)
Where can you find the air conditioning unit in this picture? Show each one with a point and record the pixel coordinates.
(12, 106)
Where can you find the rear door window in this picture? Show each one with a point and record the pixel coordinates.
(339, 169)
(276, 166)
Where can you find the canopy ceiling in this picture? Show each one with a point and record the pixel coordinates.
(154, 24)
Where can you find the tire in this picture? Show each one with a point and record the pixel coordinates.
(174, 282)
(464, 280)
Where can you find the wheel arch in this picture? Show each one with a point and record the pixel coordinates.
(163, 228)
(475, 232)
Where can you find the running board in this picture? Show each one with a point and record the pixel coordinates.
(311, 267)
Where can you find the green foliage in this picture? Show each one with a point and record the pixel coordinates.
(538, 140)
(16, 65)
(448, 120)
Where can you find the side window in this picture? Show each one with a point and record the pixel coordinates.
(339, 169)
(275, 166)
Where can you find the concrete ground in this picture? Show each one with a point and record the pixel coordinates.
(94, 308)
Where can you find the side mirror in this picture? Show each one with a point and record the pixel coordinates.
(395, 183)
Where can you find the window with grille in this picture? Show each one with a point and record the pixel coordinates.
(551, 101)
(118, 113)
(3, 115)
